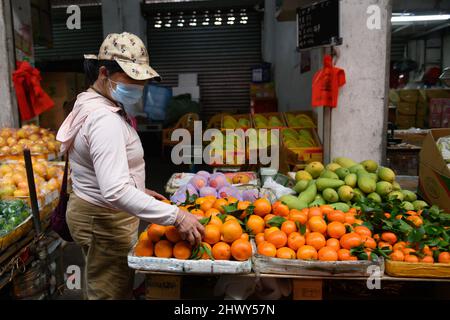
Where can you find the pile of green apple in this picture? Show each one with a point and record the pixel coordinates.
(343, 182)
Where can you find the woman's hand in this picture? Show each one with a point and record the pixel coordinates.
(155, 195)
(189, 227)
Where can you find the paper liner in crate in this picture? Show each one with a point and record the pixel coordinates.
(360, 268)
(188, 266)
(178, 180)
(417, 270)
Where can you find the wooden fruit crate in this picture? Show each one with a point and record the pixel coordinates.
(237, 117)
(417, 270)
(303, 156)
(310, 114)
(16, 234)
(267, 116)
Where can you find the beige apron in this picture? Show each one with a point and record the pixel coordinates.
(105, 236)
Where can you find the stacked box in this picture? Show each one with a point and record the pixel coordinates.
(406, 108)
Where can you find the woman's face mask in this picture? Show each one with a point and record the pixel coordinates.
(127, 94)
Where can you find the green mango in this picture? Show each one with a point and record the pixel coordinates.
(370, 165)
(374, 197)
(330, 195)
(342, 172)
(324, 183)
(341, 206)
(293, 202)
(355, 168)
(314, 169)
(358, 194)
(351, 180)
(396, 186)
(344, 162)
(309, 194)
(317, 203)
(409, 195)
(419, 205)
(329, 174)
(302, 175)
(366, 184)
(396, 195)
(373, 176)
(383, 188)
(345, 193)
(301, 185)
(332, 166)
(386, 174)
(408, 206)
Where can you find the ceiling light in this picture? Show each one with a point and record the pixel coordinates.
(411, 18)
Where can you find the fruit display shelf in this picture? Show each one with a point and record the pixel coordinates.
(417, 270)
(296, 267)
(172, 265)
(269, 120)
(303, 155)
(300, 119)
(236, 121)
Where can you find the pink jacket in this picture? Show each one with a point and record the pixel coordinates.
(107, 160)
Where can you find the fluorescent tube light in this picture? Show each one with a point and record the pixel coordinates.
(410, 18)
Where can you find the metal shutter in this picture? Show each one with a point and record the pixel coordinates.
(72, 44)
(221, 55)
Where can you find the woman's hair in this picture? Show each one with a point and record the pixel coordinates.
(92, 66)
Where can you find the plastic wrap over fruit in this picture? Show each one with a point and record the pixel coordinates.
(204, 174)
(208, 191)
(199, 182)
(180, 196)
(250, 195)
(229, 191)
(218, 180)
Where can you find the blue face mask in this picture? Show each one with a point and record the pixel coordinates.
(127, 94)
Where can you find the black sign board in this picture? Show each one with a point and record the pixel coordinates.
(318, 25)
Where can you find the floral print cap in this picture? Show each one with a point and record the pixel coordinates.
(130, 53)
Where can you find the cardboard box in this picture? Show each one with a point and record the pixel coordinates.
(434, 175)
(409, 95)
(162, 287)
(422, 108)
(187, 79)
(263, 90)
(307, 289)
(405, 122)
(407, 108)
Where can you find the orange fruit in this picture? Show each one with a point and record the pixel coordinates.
(144, 236)
(245, 236)
(241, 250)
(352, 211)
(427, 259)
(326, 209)
(350, 240)
(288, 227)
(156, 232)
(336, 215)
(363, 231)
(327, 254)
(215, 221)
(333, 243)
(407, 251)
(182, 250)
(411, 213)
(315, 212)
(262, 207)
(198, 213)
(219, 203)
(317, 224)
(256, 224)
(344, 255)
(307, 252)
(144, 249)
(221, 251)
(212, 234)
(383, 244)
(267, 249)
(389, 237)
(298, 216)
(280, 209)
(230, 217)
(444, 257)
(369, 242)
(210, 198)
(259, 238)
(231, 200)
(286, 253)
(211, 212)
(399, 245)
(206, 205)
(172, 234)
(231, 230)
(376, 237)
(295, 241)
(426, 250)
(269, 231)
(349, 218)
(243, 205)
(205, 255)
(387, 215)
(163, 249)
(336, 229)
(267, 218)
(358, 222)
(316, 240)
(397, 255)
(416, 220)
(278, 238)
(411, 258)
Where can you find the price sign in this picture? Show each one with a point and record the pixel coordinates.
(318, 25)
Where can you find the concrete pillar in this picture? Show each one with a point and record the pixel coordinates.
(124, 15)
(358, 125)
(268, 40)
(9, 115)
